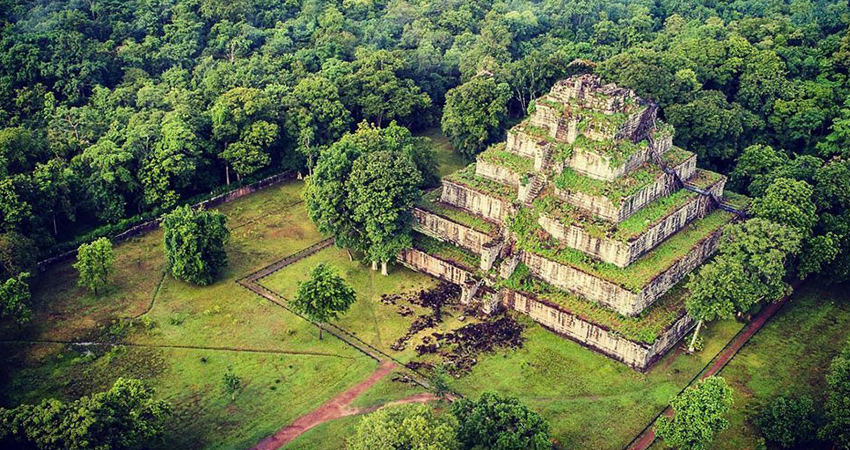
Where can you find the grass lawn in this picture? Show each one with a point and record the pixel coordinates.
(278, 387)
(791, 354)
(448, 159)
(371, 320)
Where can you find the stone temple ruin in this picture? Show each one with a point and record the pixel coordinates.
(587, 220)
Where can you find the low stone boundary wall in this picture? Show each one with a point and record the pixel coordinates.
(447, 230)
(637, 355)
(611, 295)
(151, 225)
(476, 202)
(436, 267)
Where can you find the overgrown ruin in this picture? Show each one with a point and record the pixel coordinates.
(587, 219)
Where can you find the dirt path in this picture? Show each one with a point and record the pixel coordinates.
(645, 440)
(335, 408)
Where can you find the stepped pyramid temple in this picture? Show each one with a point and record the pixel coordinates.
(587, 220)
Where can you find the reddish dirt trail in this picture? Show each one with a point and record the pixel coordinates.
(648, 437)
(339, 406)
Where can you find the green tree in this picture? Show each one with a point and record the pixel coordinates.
(408, 427)
(324, 297)
(500, 423)
(383, 188)
(698, 415)
(242, 117)
(17, 254)
(315, 116)
(15, 299)
(94, 262)
(750, 267)
(375, 90)
(787, 202)
(475, 113)
(172, 164)
(836, 428)
(194, 244)
(787, 421)
(126, 417)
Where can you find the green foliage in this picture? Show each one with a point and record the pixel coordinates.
(363, 188)
(232, 383)
(475, 114)
(430, 202)
(500, 423)
(17, 254)
(616, 191)
(325, 296)
(698, 415)
(787, 202)
(497, 155)
(94, 262)
(194, 244)
(750, 267)
(836, 428)
(126, 417)
(408, 427)
(467, 177)
(15, 299)
(787, 421)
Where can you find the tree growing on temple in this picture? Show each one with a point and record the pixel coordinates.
(475, 113)
(698, 415)
(323, 297)
(194, 244)
(94, 262)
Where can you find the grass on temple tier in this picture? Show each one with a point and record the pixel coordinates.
(704, 179)
(446, 251)
(468, 178)
(675, 156)
(497, 155)
(645, 328)
(431, 202)
(653, 213)
(532, 238)
(616, 191)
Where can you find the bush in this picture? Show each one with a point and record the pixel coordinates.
(788, 422)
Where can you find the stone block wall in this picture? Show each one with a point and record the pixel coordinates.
(621, 253)
(522, 143)
(611, 295)
(476, 202)
(635, 354)
(447, 230)
(497, 173)
(436, 267)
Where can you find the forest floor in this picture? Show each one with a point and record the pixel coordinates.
(182, 339)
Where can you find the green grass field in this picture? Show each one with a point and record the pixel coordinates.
(790, 355)
(186, 337)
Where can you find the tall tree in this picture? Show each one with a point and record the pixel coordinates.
(194, 244)
(15, 299)
(409, 427)
(126, 417)
(324, 297)
(384, 186)
(500, 423)
(475, 114)
(836, 428)
(94, 262)
(698, 415)
(315, 116)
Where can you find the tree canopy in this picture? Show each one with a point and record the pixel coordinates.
(697, 415)
(194, 244)
(324, 296)
(500, 423)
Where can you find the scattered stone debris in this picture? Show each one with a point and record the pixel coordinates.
(459, 349)
(441, 295)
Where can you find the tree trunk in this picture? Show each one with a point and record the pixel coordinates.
(350, 256)
(55, 230)
(227, 174)
(694, 339)
(374, 265)
(238, 178)
(320, 331)
(384, 268)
